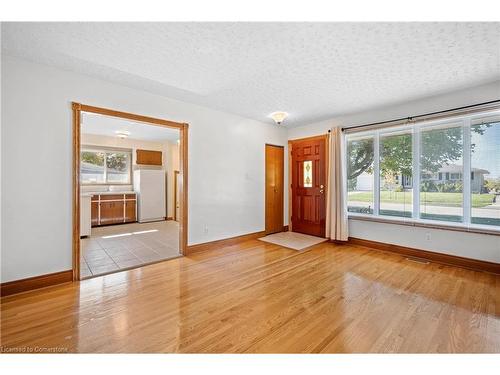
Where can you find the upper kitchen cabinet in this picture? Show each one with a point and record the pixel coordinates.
(149, 157)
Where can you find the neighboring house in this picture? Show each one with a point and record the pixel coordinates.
(447, 174)
(364, 182)
(453, 173)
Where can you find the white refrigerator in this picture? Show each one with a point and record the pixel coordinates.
(149, 185)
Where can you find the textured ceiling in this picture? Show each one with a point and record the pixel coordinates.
(311, 70)
(105, 125)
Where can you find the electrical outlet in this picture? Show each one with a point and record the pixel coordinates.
(205, 230)
(428, 236)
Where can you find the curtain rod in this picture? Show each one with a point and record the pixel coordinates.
(423, 115)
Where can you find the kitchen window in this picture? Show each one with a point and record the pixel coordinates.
(105, 166)
(439, 171)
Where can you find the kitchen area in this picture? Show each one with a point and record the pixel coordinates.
(128, 202)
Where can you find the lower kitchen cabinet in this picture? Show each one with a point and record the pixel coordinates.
(113, 209)
(111, 213)
(94, 209)
(130, 211)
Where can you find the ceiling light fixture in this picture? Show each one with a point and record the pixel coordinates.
(278, 117)
(122, 134)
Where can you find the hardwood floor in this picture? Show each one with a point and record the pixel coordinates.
(259, 297)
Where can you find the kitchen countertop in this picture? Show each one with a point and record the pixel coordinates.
(89, 194)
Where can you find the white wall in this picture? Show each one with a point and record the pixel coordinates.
(469, 245)
(226, 163)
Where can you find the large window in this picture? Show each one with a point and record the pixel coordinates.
(435, 171)
(100, 166)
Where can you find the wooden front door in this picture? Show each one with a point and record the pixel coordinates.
(274, 188)
(309, 186)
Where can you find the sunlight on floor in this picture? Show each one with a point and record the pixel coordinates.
(117, 247)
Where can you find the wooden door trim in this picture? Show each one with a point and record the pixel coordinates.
(291, 142)
(290, 225)
(282, 184)
(176, 176)
(313, 138)
(129, 116)
(77, 109)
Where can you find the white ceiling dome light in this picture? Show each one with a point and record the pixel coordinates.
(122, 134)
(278, 117)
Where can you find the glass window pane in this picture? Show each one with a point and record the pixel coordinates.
(360, 175)
(441, 150)
(396, 180)
(485, 172)
(307, 165)
(92, 167)
(118, 167)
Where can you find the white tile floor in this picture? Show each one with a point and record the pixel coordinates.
(117, 247)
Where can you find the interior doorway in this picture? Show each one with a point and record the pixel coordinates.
(274, 188)
(308, 164)
(123, 190)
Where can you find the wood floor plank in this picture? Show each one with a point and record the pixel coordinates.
(256, 297)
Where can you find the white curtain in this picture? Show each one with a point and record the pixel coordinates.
(336, 200)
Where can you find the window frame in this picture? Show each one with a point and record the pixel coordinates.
(416, 129)
(106, 151)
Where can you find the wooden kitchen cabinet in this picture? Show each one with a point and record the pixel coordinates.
(94, 217)
(109, 209)
(111, 212)
(148, 157)
(130, 211)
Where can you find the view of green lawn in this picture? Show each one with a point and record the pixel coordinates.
(436, 199)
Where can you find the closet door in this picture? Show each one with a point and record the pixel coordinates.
(274, 188)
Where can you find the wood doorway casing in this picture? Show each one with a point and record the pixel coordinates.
(77, 109)
(176, 181)
(274, 188)
(291, 144)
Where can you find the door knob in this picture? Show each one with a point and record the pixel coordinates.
(321, 191)
(321, 186)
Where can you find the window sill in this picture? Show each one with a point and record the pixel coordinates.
(425, 224)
